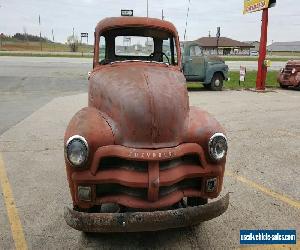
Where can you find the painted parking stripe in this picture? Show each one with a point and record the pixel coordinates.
(12, 212)
(290, 201)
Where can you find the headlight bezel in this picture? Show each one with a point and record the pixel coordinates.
(84, 143)
(210, 147)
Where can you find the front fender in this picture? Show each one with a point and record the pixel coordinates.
(214, 68)
(297, 79)
(202, 126)
(90, 124)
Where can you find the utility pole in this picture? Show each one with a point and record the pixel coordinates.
(186, 21)
(218, 38)
(162, 14)
(52, 35)
(40, 33)
(1, 35)
(73, 32)
(53, 39)
(147, 8)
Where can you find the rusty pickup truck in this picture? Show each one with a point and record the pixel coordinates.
(139, 158)
(289, 76)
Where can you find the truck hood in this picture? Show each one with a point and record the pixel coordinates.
(145, 104)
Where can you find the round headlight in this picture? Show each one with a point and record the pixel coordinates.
(293, 71)
(217, 146)
(282, 70)
(77, 150)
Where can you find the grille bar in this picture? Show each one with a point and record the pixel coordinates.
(104, 190)
(147, 155)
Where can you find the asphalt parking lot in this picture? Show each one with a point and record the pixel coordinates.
(39, 97)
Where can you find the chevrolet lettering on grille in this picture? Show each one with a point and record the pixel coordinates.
(152, 155)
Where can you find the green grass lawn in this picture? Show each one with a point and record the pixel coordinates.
(23, 46)
(250, 82)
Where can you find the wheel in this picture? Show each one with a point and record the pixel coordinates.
(196, 201)
(217, 82)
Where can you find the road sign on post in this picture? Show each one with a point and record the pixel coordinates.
(253, 6)
(243, 71)
(85, 35)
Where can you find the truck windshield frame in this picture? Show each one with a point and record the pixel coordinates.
(136, 44)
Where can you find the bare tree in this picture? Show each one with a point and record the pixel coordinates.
(73, 43)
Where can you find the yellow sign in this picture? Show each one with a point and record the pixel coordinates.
(267, 63)
(255, 5)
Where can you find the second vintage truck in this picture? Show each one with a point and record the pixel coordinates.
(211, 71)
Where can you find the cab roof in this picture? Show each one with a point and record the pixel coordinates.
(125, 22)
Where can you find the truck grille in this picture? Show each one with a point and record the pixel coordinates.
(288, 70)
(148, 175)
(103, 190)
(120, 163)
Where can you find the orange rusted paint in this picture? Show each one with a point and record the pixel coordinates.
(148, 149)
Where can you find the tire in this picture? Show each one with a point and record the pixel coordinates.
(217, 82)
(196, 201)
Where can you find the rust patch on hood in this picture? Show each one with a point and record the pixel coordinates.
(146, 104)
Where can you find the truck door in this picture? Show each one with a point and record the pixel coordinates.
(194, 64)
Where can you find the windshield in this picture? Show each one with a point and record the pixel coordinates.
(132, 44)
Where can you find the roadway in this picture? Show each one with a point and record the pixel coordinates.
(251, 65)
(38, 98)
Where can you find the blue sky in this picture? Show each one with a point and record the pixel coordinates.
(205, 16)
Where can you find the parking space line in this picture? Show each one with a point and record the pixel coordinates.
(291, 202)
(12, 212)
